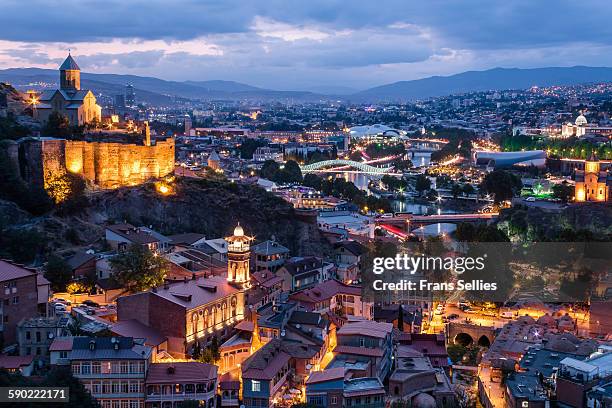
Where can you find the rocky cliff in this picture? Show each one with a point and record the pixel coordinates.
(203, 206)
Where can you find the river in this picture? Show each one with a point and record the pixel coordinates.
(406, 205)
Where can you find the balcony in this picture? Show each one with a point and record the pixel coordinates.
(198, 396)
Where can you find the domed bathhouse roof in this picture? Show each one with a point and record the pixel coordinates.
(581, 121)
(423, 400)
(547, 320)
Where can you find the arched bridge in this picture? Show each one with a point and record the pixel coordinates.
(466, 334)
(409, 222)
(362, 167)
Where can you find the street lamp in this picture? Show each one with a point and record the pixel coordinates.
(33, 101)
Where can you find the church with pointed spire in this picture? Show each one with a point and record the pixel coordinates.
(78, 105)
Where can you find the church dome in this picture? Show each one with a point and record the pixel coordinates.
(238, 231)
(423, 400)
(581, 120)
(547, 320)
(562, 344)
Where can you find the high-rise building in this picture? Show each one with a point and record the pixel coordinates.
(130, 95)
(188, 123)
(119, 102)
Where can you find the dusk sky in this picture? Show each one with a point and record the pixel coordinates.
(284, 44)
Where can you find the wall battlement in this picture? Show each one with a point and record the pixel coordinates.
(104, 164)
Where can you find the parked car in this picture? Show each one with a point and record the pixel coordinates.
(469, 310)
(506, 315)
(91, 303)
(452, 316)
(530, 199)
(59, 307)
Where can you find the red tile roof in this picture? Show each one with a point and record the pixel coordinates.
(61, 344)
(367, 328)
(360, 351)
(325, 291)
(266, 362)
(245, 325)
(266, 279)
(326, 375)
(229, 381)
(10, 271)
(172, 373)
(135, 329)
(15, 362)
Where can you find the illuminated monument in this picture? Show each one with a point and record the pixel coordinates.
(238, 257)
(592, 184)
(104, 164)
(78, 105)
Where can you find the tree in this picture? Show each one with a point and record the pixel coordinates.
(465, 232)
(401, 164)
(79, 395)
(31, 198)
(456, 352)
(11, 129)
(22, 245)
(456, 190)
(197, 351)
(211, 354)
(468, 189)
(423, 183)
(58, 272)
(292, 172)
(269, 170)
(138, 269)
(502, 184)
(313, 181)
(563, 191)
(66, 189)
(248, 147)
(59, 125)
(443, 181)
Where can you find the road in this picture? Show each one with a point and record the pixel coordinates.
(437, 325)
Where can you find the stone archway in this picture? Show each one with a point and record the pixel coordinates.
(464, 339)
(484, 341)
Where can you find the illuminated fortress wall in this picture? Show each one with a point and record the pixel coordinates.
(111, 165)
(105, 164)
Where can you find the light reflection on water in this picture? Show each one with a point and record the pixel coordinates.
(361, 181)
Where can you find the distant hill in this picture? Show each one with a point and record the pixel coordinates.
(153, 90)
(161, 92)
(492, 79)
(224, 86)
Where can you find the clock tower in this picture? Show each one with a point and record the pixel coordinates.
(238, 258)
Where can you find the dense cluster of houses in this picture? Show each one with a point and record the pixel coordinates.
(286, 329)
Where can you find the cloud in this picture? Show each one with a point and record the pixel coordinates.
(268, 28)
(283, 43)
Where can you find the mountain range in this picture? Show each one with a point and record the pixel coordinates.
(161, 92)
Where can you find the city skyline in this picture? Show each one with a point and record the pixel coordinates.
(304, 46)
